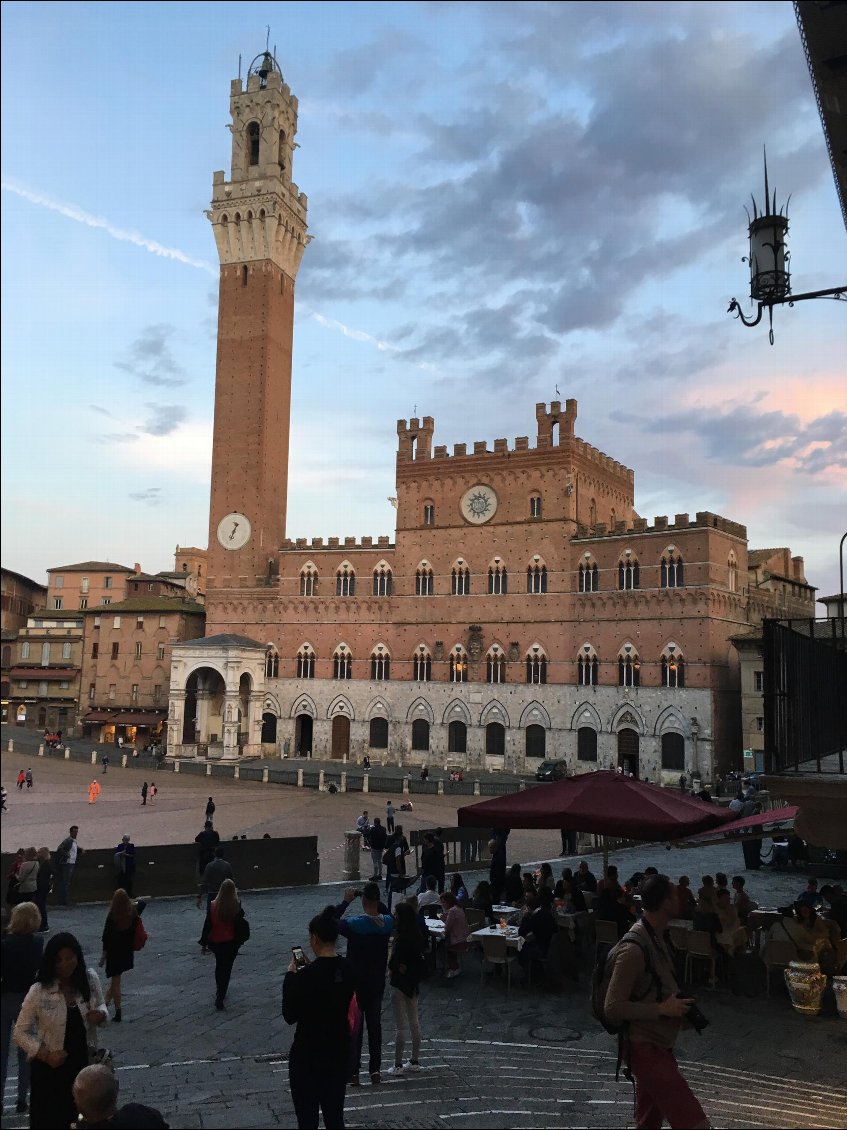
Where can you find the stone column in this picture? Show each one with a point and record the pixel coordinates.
(352, 855)
(230, 726)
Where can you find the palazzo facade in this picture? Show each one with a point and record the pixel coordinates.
(522, 610)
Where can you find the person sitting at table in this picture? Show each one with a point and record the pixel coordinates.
(810, 896)
(483, 901)
(456, 933)
(429, 897)
(706, 915)
(707, 894)
(537, 928)
(584, 879)
(611, 906)
(722, 883)
(736, 805)
(610, 879)
(744, 905)
(569, 894)
(513, 890)
(458, 889)
(685, 899)
(732, 937)
(529, 887)
(809, 933)
(544, 876)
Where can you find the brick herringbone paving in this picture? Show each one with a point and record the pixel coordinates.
(528, 1058)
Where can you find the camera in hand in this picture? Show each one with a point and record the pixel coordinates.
(695, 1017)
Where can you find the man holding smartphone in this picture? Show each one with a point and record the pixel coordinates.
(367, 937)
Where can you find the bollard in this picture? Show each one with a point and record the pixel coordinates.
(405, 786)
(41, 751)
(440, 786)
(265, 775)
(67, 753)
(208, 768)
(365, 787)
(476, 788)
(343, 786)
(176, 766)
(521, 786)
(320, 781)
(236, 772)
(123, 761)
(352, 854)
(299, 778)
(11, 746)
(344, 759)
(94, 757)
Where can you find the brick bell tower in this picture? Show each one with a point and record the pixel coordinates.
(259, 220)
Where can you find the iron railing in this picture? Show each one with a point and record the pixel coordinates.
(805, 696)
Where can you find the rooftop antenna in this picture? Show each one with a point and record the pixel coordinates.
(239, 66)
(268, 37)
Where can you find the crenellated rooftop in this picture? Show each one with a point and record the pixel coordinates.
(681, 523)
(415, 441)
(298, 545)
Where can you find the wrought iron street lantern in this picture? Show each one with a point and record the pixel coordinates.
(769, 258)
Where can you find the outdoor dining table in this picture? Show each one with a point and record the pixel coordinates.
(513, 938)
(761, 919)
(506, 910)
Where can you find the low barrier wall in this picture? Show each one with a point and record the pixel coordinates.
(171, 869)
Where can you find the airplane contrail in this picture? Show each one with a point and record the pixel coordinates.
(72, 212)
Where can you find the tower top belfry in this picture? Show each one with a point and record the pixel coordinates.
(260, 213)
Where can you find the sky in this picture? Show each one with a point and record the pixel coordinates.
(506, 199)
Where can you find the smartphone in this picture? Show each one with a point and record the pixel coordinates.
(299, 957)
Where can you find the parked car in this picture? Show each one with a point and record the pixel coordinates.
(551, 771)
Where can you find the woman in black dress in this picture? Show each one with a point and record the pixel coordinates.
(119, 945)
(316, 997)
(60, 1009)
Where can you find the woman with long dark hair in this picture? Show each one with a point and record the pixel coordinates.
(458, 889)
(316, 997)
(407, 966)
(119, 945)
(65, 1001)
(224, 931)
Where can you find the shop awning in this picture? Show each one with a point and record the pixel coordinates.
(44, 674)
(98, 716)
(146, 720)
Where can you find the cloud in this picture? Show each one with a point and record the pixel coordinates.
(152, 496)
(744, 435)
(73, 212)
(164, 419)
(150, 358)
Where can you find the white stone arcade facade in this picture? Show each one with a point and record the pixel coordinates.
(227, 701)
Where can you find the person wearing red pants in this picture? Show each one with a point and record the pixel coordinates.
(643, 997)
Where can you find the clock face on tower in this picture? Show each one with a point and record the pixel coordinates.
(234, 531)
(478, 505)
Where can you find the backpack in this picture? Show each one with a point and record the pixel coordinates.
(602, 974)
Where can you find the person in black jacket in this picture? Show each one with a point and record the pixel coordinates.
(408, 966)
(497, 867)
(317, 999)
(432, 860)
(378, 839)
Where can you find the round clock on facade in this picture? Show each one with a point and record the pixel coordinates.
(234, 531)
(478, 505)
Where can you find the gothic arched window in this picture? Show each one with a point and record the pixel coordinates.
(629, 667)
(383, 580)
(629, 573)
(535, 506)
(673, 667)
(458, 665)
(420, 735)
(460, 579)
(306, 662)
(732, 573)
(536, 665)
(308, 580)
(671, 570)
(272, 663)
(380, 663)
(498, 579)
(253, 134)
(588, 666)
(342, 663)
(589, 576)
(424, 580)
(536, 577)
(496, 665)
(345, 581)
(422, 665)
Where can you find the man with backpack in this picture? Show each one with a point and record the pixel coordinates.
(638, 997)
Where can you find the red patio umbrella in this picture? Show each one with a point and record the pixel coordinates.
(604, 802)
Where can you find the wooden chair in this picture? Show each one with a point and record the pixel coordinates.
(590, 899)
(496, 952)
(777, 952)
(699, 949)
(605, 934)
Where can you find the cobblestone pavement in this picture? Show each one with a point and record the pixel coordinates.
(491, 1059)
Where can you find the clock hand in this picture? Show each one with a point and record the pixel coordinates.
(234, 528)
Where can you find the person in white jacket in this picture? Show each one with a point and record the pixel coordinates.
(59, 1016)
